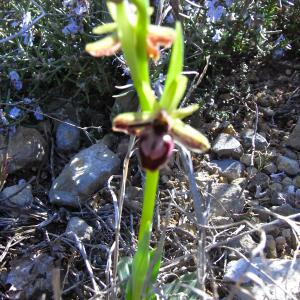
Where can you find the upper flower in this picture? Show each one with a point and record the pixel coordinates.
(157, 36)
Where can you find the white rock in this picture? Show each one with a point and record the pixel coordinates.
(80, 228)
(284, 272)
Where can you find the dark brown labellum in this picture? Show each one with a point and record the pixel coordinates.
(155, 149)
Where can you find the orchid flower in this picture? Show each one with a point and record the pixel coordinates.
(157, 129)
(156, 36)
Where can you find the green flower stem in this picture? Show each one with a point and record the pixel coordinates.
(149, 201)
(135, 51)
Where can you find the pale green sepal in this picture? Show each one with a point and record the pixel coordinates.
(174, 70)
(112, 8)
(184, 112)
(105, 28)
(174, 93)
(189, 137)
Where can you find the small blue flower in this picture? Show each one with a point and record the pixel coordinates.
(15, 113)
(214, 13)
(80, 9)
(228, 2)
(27, 100)
(27, 36)
(3, 119)
(218, 36)
(278, 53)
(71, 28)
(15, 80)
(170, 19)
(38, 114)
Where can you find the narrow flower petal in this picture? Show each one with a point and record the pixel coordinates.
(184, 112)
(105, 47)
(132, 123)
(158, 36)
(105, 28)
(189, 137)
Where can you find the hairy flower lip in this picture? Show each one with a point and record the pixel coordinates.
(157, 132)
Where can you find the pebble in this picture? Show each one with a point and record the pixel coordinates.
(26, 148)
(86, 173)
(296, 181)
(78, 226)
(22, 199)
(288, 165)
(227, 145)
(294, 138)
(110, 140)
(286, 181)
(270, 248)
(227, 199)
(260, 179)
(276, 187)
(229, 168)
(281, 244)
(270, 168)
(125, 103)
(246, 159)
(285, 210)
(278, 198)
(290, 154)
(67, 137)
(260, 142)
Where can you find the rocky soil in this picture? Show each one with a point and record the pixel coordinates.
(59, 193)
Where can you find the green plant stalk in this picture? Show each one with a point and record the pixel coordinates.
(149, 201)
(137, 61)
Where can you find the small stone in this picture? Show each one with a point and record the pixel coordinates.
(127, 102)
(290, 154)
(227, 145)
(286, 273)
(80, 228)
(281, 244)
(290, 166)
(285, 210)
(251, 171)
(270, 168)
(202, 177)
(229, 168)
(22, 199)
(270, 248)
(87, 172)
(110, 140)
(260, 179)
(240, 181)
(296, 181)
(286, 181)
(245, 245)
(227, 199)
(220, 221)
(26, 148)
(67, 136)
(287, 234)
(260, 142)
(278, 198)
(246, 159)
(276, 187)
(294, 138)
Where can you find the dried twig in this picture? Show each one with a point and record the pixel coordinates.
(195, 83)
(120, 203)
(81, 248)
